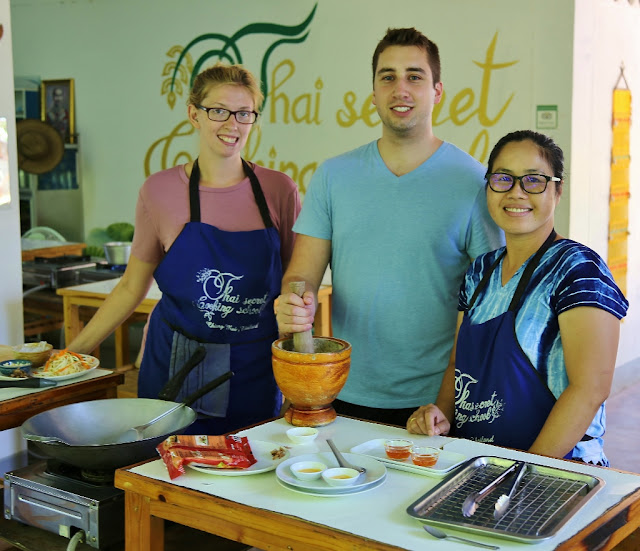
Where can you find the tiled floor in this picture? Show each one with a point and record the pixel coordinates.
(621, 443)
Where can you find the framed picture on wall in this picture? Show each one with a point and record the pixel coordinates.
(57, 107)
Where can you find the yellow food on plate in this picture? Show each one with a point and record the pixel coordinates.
(64, 362)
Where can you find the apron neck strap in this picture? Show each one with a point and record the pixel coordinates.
(194, 193)
(258, 194)
(524, 280)
(528, 271)
(485, 279)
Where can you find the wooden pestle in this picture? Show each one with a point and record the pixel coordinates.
(302, 342)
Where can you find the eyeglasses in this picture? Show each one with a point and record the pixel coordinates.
(218, 114)
(530, 183)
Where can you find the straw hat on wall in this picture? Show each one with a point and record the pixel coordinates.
(40, 146)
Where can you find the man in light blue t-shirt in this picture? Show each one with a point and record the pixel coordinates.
(399, 219)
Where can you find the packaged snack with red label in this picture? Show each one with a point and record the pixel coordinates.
(221, 452)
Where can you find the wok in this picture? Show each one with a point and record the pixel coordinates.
(90, 430)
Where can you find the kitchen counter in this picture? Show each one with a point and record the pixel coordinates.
(258, 511)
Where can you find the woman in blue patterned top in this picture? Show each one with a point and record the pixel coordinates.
(538, 327)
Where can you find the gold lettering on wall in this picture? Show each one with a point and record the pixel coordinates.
(299, 176)
(163, 146)
(305, 108)
(459, 108)
(350, 116)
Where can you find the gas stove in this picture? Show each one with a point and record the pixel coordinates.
(64, 499)
(54, 272)
(100, 272)
(64, 271)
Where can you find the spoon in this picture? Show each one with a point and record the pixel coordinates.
(341, 460)
(135, 434)
(437, 533)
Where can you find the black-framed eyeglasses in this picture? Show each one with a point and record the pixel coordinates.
(218, 114)
(530, 183)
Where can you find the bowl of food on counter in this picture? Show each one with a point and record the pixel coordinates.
(36, 352)
(15, 368)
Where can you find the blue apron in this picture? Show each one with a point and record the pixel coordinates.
(218, 290)
(500, 397)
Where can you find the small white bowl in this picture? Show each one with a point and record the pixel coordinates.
(302, 435)
(339, 476)
(308, 470)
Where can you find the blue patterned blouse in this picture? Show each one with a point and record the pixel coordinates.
(569, 275)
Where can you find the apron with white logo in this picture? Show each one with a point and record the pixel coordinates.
(218, 289)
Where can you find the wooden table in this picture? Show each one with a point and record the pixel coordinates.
(149, 500)
(15, 411)
(94, 294)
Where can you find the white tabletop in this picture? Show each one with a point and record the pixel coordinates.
(106, 286)
(380, 514)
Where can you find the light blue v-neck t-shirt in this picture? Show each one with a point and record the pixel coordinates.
(399, 250)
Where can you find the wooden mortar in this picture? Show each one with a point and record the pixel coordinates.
(311, 382)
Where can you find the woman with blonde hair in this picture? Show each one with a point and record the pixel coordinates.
(215, 233)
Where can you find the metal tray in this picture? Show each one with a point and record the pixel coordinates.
(546, 499)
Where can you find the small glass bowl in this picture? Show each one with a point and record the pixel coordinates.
(308, 470)
(425, 456)
(302, 435)
(340, 476)
(398, 449)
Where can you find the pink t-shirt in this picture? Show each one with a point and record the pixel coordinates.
(163, 210)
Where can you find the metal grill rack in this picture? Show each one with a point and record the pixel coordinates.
(545, 500)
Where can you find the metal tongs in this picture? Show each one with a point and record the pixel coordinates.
(473, 500)
(504, 500)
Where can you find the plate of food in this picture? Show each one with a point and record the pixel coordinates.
(447, 461)
(65, 365)
(267, 454)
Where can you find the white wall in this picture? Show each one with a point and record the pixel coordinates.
(10, 273)
(12, 445)
(118, 70)
(116, 50)
(607, 34)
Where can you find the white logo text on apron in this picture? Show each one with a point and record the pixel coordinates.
(484, 411)
(219, 300)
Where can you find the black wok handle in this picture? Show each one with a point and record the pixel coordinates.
(173, 386)
(34, 382)
(207, 388)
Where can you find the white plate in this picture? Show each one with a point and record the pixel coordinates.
(345, 491)
(7, 378)
(376, 473)
(92, 361)
(447, 461)
(264, 461)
